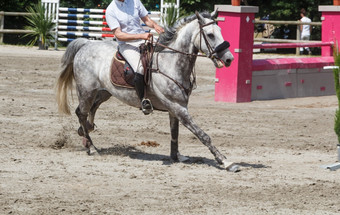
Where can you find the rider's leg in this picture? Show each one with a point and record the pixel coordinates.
(139, 87)
(130, 52)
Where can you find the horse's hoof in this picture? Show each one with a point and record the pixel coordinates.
(80, 131)
(231, 166)
(182, 158)
(86, 143)
(89, 126)
(234, 168)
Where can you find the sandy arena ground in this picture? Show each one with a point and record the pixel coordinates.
(280, 146)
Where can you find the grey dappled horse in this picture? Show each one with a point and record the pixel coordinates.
(88, 63)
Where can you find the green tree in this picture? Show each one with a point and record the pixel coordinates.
(16, 5)
(289, 10)
(80, 3)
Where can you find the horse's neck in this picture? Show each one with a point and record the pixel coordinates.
(185, 43)
(186, 38)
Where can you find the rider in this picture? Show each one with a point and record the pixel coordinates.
(123, 18)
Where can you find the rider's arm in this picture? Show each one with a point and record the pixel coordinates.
(152, 24)
(127, 37)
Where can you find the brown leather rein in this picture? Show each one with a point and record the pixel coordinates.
(193, 81)
(190, 54)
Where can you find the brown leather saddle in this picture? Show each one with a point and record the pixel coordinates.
(122, 74)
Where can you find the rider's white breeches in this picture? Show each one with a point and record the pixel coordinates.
(130, 51)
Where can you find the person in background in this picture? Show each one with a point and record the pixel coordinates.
(305, 31)
(123, 17)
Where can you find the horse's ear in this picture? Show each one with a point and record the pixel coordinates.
(199, 17)
(214, 14)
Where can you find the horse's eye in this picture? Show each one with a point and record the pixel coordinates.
(211, 36)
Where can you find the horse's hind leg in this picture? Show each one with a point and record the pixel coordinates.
(102, 96)
(86, 100)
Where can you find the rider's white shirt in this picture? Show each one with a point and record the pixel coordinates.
(126, 15)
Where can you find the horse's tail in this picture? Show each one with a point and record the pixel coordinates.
(66, 76)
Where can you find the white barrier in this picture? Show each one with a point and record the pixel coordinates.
(75, 23)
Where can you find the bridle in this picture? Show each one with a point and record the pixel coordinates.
(221, 47)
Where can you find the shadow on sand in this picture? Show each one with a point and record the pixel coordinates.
(252, 166)
(134, 153)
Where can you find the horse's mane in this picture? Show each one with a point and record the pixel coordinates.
(170, 32)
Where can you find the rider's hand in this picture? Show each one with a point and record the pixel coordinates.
(146, 36)
(159, 29)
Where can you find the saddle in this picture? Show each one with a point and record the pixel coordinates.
(122, 74)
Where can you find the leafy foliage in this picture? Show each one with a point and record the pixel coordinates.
(170, 15)
(337, 124)
(16, 5)
(289, 10)
(337, 90)
(40, 25)
(80, 3)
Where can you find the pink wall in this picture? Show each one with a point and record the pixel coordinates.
(233, 84)
(330, 26)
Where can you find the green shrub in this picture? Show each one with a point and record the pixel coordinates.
(337, 89)
(40, 25)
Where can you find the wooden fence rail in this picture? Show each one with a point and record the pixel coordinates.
(277, 22)
(11, 31)
(298, 32)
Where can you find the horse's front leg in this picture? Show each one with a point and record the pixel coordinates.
(174, 125)
(183, 116)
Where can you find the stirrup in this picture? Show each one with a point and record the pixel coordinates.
(147, 106)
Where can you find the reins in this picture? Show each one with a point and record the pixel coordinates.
(190, 54)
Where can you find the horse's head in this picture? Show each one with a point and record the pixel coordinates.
(211, 42)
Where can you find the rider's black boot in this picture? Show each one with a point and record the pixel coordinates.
(139, 87)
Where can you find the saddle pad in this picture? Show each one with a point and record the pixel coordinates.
(117, 73)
